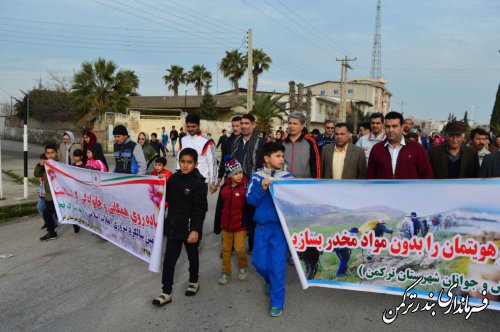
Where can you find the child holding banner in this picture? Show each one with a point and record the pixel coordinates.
(231, 217)
(270, 248)
(187, 197)
(50, 210)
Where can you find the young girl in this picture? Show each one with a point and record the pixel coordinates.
(231, 217)
(78, 158)
(94, 163)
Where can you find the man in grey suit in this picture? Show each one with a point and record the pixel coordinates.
(343, 160)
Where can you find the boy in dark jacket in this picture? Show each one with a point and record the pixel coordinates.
(270, 248)
(186, 195)
(231, 217)
(50, 210)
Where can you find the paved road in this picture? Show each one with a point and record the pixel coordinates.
(14, 150)
(81, 283)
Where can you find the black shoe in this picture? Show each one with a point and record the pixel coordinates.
(76, 228)
(49, 236)
(43, 227)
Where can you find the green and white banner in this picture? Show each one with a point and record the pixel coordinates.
(127, 210)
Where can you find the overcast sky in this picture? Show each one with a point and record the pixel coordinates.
(438, 56)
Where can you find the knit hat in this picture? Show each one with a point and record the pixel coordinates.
(120, 130)
(233, 166)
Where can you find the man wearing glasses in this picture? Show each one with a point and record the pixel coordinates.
(328, 137)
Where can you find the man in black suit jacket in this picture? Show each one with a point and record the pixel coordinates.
(452, 159)
(490, 168)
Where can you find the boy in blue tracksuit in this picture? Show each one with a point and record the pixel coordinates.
(270, 248)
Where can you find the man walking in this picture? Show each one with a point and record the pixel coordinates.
(376, 135)
(328, 137)
(129, 157)
(343, 160)
(302, 157)
(452, 159)
(204, 146)
(479, 140)
(395, 157)
(174, 136)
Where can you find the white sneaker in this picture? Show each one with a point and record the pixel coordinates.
(223, 279)
(243, 274)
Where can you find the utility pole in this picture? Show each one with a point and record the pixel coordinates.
(401, 110)
(343, 87)
(26, 111)
(250, 72)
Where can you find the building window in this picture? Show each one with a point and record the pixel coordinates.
(335, 92)
(349, 91)
(322, 93)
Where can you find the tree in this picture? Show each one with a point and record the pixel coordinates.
(266, 109)
(261, 62)
(199, 75)
(175, 77)
(466, 120)
(99, 87)
(495, 114)
(208, 106)
(233, 68)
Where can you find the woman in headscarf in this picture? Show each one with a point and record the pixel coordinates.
(149, 152)
(90, 141)
(67, 147)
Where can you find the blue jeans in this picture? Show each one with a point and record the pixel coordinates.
(41, 206)
(173, 147)
(41, 209)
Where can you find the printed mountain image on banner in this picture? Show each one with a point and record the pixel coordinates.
(381, 236)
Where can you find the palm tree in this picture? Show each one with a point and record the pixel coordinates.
(266, 109)
(233, 67)
(175, 77)
(97, 88)
(261, 62)
(199, 75)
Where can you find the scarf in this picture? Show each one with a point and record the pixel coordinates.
(248, 164)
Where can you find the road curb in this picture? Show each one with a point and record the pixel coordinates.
(17, 210)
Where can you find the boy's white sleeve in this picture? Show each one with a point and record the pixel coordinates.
(212, 163)
(140, 159)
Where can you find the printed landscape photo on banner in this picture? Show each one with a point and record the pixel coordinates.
(382, 236)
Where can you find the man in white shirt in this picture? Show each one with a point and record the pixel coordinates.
(376, 135)
(205, 146)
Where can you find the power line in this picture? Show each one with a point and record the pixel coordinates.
(148, 19)
(8, 94)
(156, 16)
(108, 41)
(100, 26)
(107, 48)
(184, 18)
(288, 28)
(201, 14)
(317, 30)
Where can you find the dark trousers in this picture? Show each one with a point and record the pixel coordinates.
(48, 216)
(172, 253)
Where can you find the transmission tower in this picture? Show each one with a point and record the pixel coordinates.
(377, 50)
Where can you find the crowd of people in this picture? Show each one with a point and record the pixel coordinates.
(386, 147)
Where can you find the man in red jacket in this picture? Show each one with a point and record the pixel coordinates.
(395, 157)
